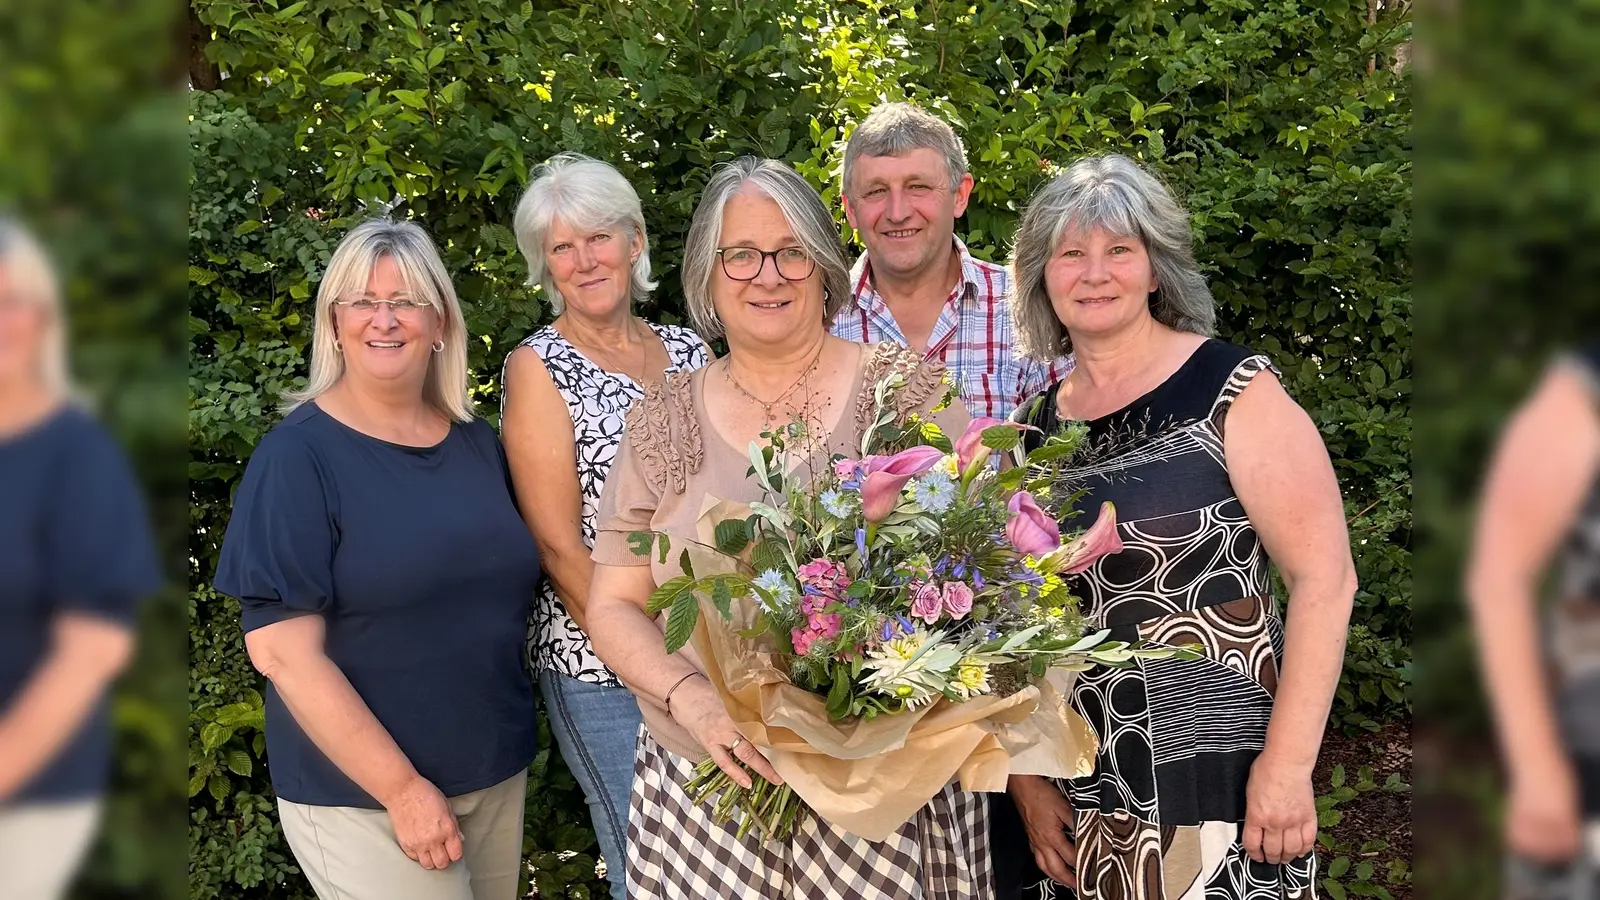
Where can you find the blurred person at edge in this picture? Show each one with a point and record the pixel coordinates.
(76, 557)
(566, 389)
(904, 183)
(1541, 506)
(384, 576)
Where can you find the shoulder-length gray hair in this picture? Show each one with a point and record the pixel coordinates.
(1117, 194)
(802, 209)
(446, 387)
(588, 195)
(26, 273)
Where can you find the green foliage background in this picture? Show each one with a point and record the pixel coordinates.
(1281, 123)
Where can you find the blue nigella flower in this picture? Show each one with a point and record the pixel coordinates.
(934, 491)
(835, 503)
(775, 583)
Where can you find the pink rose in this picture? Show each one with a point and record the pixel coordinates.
(803, 638)
(824, 625)
(926, 604)
(1030, 531)
(887, 476)
(957, 599)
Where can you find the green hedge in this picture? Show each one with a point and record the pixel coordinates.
(1281, 123)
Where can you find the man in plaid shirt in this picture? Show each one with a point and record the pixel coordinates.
(905, 182)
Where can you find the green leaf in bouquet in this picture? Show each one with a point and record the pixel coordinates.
(681, 620)
(1049, 453)
(1089, 640)
(1020, 638)
(768, 555)
(733, 535)
(722, 597)
(1038, 666)
(1001, 437)
(640, 542)
(1011, 479)
(839, 695)
(664, 544)
(685, 564)
(762, 625)
(667, 593)
(859, 589)
(934, 436)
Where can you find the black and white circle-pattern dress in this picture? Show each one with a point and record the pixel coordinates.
(598, 402)
(1161, 815)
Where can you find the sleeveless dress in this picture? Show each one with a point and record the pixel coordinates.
(1161, 817)
(598, 401)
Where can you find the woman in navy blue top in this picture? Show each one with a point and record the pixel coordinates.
(384, 576)
(76, 556)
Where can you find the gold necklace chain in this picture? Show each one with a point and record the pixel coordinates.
(766, 406)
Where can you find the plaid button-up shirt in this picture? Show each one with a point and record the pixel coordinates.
(973, 336)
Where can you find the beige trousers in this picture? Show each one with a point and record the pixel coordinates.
(352, 854)
(42, 845)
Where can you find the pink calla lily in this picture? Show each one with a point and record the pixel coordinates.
(969, 447)
(887, 476)
(1101, 539)
(1031, 531)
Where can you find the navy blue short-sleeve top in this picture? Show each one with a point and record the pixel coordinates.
(74, 538)
(423, 570)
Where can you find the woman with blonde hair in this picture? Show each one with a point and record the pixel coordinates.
(565, 391)
(76, 556)
(384, 577)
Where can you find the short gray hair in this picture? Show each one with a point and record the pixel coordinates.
(588, 195)
(414, 253)
(895, 129)
(26, 273)
(1115, 193)
(802, 209)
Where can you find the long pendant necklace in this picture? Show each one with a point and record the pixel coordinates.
(767, 405)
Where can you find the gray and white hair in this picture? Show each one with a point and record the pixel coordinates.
(895, 129)
(803, 210)
(1117, 194)
(26, 273)
(587, 195)
(446, 388)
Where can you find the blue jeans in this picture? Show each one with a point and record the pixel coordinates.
(596, 728)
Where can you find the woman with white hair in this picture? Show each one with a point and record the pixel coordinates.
(1203, 782)
(76, 557)
(565, 390)
(762, 266)
(384, 576)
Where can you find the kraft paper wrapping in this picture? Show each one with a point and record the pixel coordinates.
(870, 777)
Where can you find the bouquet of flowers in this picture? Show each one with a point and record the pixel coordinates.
(914, 576)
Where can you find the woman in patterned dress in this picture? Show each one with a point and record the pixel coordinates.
(566, 390)
(1543, 492)
(762, 265)
(1202, 787)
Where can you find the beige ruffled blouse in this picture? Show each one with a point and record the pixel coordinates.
(672, 459)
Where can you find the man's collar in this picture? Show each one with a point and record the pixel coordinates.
(866, 293)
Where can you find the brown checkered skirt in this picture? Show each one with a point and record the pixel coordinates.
(676, 852)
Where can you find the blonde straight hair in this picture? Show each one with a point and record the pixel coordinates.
(446, 388)
(26, 273)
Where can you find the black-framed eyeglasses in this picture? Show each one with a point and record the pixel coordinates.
(744, 263)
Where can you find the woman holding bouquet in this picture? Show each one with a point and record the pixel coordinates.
(762, 266)
(1202, 787)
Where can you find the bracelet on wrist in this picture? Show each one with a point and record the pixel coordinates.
(667, 701)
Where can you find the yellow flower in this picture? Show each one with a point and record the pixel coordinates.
(948, 466)
(972, 676)
(904, 647)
